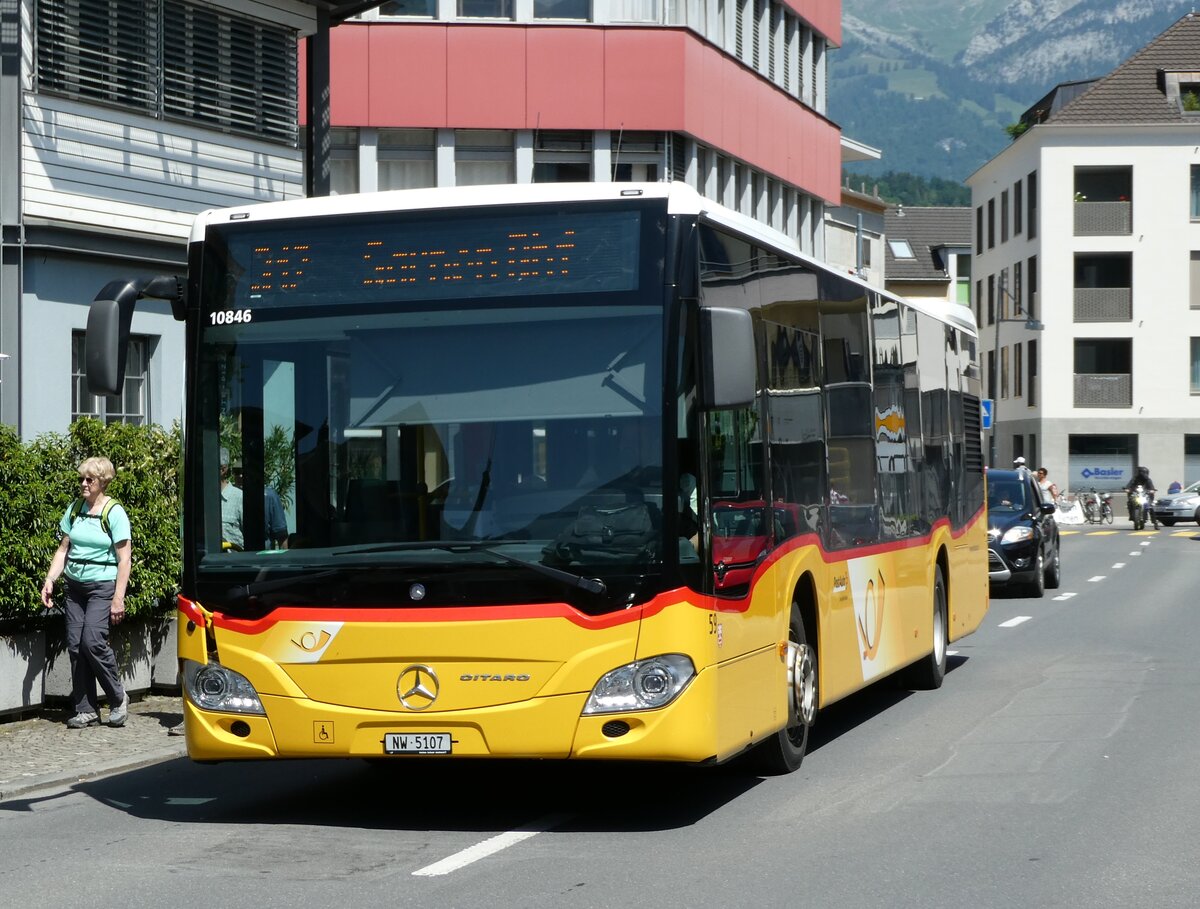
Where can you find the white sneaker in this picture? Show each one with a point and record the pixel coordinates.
(117, 715)
(82, 720)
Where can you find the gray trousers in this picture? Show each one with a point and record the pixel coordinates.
(88, 609)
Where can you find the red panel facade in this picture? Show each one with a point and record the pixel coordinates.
(485, 76)
(518, 77)
(554, 93)
(406, 86)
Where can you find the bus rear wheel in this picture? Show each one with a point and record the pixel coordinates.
(784, 751)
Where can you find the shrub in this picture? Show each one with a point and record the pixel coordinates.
(38, 482)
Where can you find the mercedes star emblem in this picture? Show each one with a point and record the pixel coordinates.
(417, 687)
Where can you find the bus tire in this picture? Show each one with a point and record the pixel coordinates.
(928, 673)
(784, 751)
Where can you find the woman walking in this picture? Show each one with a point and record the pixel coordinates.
(94, 556)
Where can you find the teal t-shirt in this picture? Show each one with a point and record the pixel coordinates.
(92, 556)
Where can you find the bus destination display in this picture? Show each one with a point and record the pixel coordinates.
(394, 260)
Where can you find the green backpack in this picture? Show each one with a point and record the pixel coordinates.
(77, 512)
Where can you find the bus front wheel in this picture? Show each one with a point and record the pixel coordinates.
(784, 751)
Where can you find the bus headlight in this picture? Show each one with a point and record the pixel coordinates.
(213, 687)
(644, 685)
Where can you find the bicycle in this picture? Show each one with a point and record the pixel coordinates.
(1091, 509)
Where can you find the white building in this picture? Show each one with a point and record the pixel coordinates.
(119, 122)
(1089, 224)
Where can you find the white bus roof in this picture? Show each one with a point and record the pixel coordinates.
(681, 198)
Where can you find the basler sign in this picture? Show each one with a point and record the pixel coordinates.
(1100, 473)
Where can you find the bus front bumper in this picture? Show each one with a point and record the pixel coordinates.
(545, 727)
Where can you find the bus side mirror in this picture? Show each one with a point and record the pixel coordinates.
(730, 364)
(109, 318)
(107, 341)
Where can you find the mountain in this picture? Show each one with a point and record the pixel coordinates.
(933, 83)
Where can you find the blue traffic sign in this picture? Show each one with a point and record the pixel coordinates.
(987, 404)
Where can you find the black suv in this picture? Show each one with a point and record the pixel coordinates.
(1022, 533)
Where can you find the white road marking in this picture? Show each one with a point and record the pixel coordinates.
(1099, 577)
(1145, 543)
(1064, 596)
(1139, 552)
(1014, 622)
(1118, 564)
(951, 653)
(488, 847)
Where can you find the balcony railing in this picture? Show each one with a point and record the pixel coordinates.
(1103, 389)
(1103, 218)
(1103, 304)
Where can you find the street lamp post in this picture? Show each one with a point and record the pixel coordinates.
(1031, 324)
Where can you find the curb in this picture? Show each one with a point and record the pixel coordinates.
(98, 771)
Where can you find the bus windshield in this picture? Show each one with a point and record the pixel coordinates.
(346, 423)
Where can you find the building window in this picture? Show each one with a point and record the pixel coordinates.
(407, 158)
(991, 223)
(1103, 201)
(1103, 372)
(1017, 367)
(637, 157)
(483, 156)
(636, 10)
(1195, 388)
(157, 57)
(991, 300)
(979, 230)
(1194, 280)
(1004, 216)
(1018, 301)
(1031, 190)
(1103, 287)
(978, 302)
(485, 9)
(1004, 372)
(1191, 459)
(562, 9)
(991, 374)
(560, 156)
(1031, 276)
(1031, 368)
(132, 405)
(343, 161)
(1196, 192)
(426, 9)
(1017, 209)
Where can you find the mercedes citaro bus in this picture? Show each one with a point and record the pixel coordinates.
(592, 471)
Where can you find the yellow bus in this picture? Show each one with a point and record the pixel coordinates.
(590, 471)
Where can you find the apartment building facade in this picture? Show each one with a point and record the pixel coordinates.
(1087, 274)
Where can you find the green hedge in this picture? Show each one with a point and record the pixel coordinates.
(40, 479)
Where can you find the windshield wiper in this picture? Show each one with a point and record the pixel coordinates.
(255, 588)
(591, 585)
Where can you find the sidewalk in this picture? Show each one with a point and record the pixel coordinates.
(43, 752)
